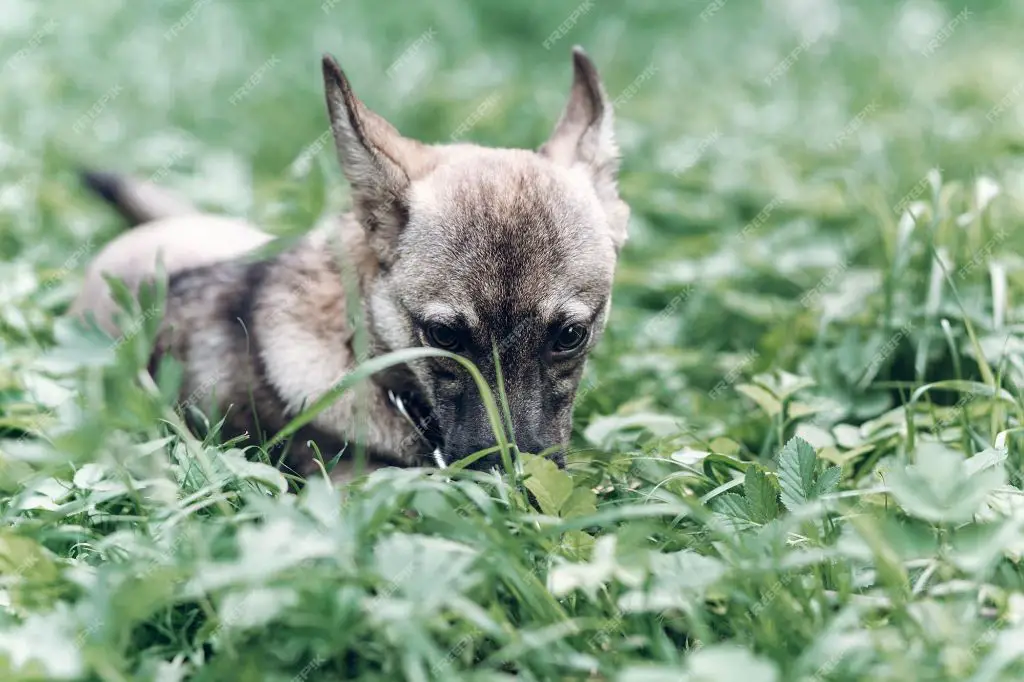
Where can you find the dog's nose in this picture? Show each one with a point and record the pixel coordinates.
(528, 443)
(493, 459)
(462, 441)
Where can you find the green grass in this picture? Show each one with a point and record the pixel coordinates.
(798, 449)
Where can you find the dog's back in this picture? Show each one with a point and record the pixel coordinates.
(164, 227)
(252, 334)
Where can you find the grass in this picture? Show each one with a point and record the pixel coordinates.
(798, 449)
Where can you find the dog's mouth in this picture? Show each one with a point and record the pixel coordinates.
(428, 429)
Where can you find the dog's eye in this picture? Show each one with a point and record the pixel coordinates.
(570, 338)
(444, 337)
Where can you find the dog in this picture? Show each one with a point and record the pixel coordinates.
(470, 249)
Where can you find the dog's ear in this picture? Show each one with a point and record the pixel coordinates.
(376, 159)
(585, 136)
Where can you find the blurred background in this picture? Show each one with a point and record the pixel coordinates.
(827, 199)
(770, 149)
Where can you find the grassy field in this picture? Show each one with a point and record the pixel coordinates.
(798, 450)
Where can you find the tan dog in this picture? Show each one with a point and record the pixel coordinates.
(460, 247)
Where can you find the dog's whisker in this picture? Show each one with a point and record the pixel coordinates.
(400, 406)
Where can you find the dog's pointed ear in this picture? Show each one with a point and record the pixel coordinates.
(585, 136)
(376, 159)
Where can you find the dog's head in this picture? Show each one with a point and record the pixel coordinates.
(481, 249)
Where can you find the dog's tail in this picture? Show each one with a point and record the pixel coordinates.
(139, 201)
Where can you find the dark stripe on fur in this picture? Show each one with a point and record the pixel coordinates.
(240, 316)
(106, 185)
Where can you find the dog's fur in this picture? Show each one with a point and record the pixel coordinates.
(505, 247)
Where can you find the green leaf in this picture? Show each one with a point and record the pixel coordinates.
(576, 544)
(728, 662)
(44, 646)
(828, 481)
(582, 502)
(724, 446)
(734, 508)
(25, 567)
(765, 400)
(676, 577)
(972, 548)
(264, 551)
(801, 476)
(426, 571)
(237, 463)
(941, 488)
(590, 576)
(762, 498)
(137, 599)
(986, 459)
(605, 431)
(894, 537)
(322, 501)
(782, 384)
(648, 673)
(797, 467)
(255, 607)
(550, 485)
